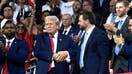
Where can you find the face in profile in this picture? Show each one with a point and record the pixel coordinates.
(81, 23)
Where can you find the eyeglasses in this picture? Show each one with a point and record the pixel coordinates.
(18, 27)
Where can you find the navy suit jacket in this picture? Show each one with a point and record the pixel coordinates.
(43, 52)
(16, 56)
(95, 55)
(127, 49)
(73, 31)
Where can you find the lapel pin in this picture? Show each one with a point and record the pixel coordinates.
(60, 40)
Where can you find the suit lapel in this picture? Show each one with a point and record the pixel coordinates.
(70, 31)
(90, 40)
(13, 45)
(46, 40)
(125, 24)
(59, 42)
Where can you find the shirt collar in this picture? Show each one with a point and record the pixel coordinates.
(90, 29)
(11, 40)
(55, 35)
(68, 28)
(124, 18)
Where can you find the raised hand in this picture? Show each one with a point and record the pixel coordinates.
(118, 39)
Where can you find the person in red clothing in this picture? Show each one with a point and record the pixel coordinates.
(21, 29)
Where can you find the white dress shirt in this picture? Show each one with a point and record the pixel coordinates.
(110, 17)
(55, 46)
(67, 30)
(55, 40)
(11, 40)
(83, 45)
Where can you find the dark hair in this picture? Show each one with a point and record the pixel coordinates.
(125, 2)
(88, 15)
(4, 6)
(90, 2)
(22, 24)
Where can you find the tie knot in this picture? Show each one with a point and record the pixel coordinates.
(8, 42)
(65, 31)
(51, 36)
(86, 33)
(120, 21)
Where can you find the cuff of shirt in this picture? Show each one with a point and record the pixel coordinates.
(68, 57)
(109, 36)
(121, 45)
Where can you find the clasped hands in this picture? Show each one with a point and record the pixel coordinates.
(60, 56)
(110, 27)
(118, 39)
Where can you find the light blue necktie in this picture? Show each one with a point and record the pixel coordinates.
(117, 49)
(113, 18)
(82, 45)
(101, 2)
(120, 23)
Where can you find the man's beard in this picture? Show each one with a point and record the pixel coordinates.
(82, 28)
(10, 36)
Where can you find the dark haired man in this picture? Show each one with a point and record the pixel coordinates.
(94, 51)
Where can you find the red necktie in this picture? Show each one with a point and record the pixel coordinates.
(52, 47)
(51, 42)
(5, 68)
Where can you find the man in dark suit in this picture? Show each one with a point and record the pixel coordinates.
(122, 61)
(69, 29)
(13, 52)
(125, 49)
(93, 48)
(53, 50)
(120, 27)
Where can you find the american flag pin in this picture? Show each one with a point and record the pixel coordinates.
(60, 40)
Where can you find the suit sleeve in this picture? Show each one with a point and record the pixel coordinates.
(42, 53)
(127, 49)
(19, 54)
(126, 33)
(72, 50)
(103, 52)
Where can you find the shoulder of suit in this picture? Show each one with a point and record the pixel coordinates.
(41, 34)
(19, 40)
(98, 30)
(63, 36)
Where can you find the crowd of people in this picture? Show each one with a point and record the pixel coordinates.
(65, 36)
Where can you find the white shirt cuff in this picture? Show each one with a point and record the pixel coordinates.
(68, 57)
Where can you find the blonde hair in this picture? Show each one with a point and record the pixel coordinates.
(52, 18)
